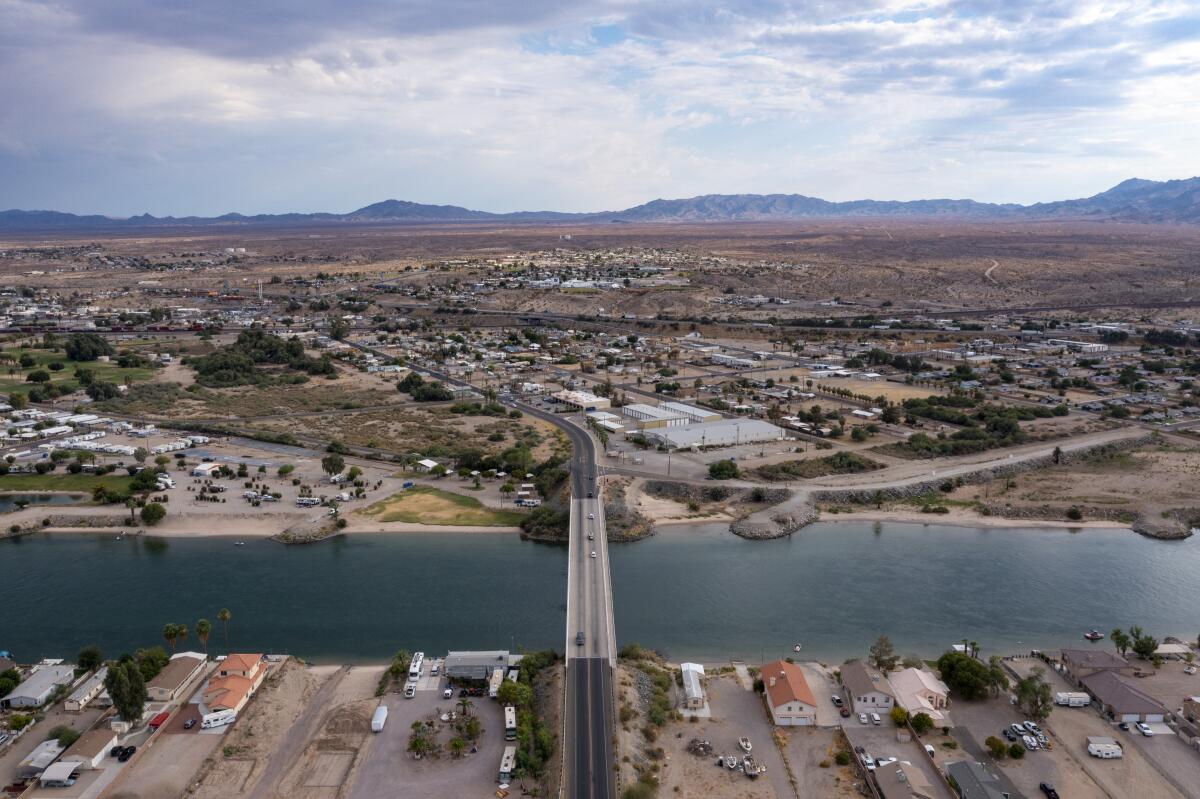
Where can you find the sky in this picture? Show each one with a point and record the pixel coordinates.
(263, 106)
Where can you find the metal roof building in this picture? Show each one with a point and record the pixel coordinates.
(725, 433)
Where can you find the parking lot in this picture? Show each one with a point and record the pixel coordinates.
(388, 769)
(821, 683)
(881, 742)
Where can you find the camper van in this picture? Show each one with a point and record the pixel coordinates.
(218, 719)
(379, 718)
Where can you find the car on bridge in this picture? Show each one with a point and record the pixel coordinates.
(578, 639)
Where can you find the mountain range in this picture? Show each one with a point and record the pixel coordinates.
(1134, 200)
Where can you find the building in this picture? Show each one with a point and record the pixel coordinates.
(788, 695)
(903, 780)
(581, 400)
(87, 691)
(976, 782)
(920, 691)
(650, 417)
(725, 433)
(426, 465)
(179, 672)
(1080, 663)
(58, 775)
(691, 412)
(1121, 700)
(37, 689)
(693, 685)
(1191, 708)
(723, 359)
(39, 759)
(205, 469)
(867, 689)
(238, 678)
(92, 747)
(475, 665)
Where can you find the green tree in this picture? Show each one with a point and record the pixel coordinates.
(170, 634)
(515, 693)
(223, 616)
(338, 328)
(286, 469)
(1144, 645)
(1016, 751)
(996, 746)
(127, 689)
(882, 654)
(723, 470)
(457, 746)
(38, 376)
(997, 677)
(1120, 640)
(203, 630)
(333, 463)
(899, 716)
(89, 658)
(922, 723)
(465, 706)
(964, 675)
(153, 513)
(1034, 695)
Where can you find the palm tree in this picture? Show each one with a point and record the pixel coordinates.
(181, 630)
(203, 628)
(974, 649)
(457, 745)
(465, 705)
(170, 633)
(223, 616)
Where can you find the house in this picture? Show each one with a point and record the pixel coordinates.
(205, 469)
(1120, 699)
(868, 690)
(426, 465)
(168, 684)
(475, 665)
(88, 690)
(37, 761)
(920, 691)
(238, 677)
(788, 695)
(37, 689)
(973, 781)
(693, 686)
(1191, 708)
(92, 747)
(58, 775)
(903, 780)
(1080, 663)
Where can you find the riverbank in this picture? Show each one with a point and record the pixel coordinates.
(963, 517)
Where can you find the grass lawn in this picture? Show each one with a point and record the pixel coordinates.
(423, 505)
(42, 358)
(61, 481)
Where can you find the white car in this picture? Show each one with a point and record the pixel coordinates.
(885, 761)
(1030, 743)
(1029, 725)
(1144, 729)
(448, 693)
(410, 691)
(591, 515)
(868, 761)
(875, 719)
(862, 719)
(593, 553)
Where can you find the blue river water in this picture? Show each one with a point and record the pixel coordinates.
(695, 592)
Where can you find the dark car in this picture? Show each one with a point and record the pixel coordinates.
(187, 725)
(837, 700)
(589, 495)
(116, 751)
(126, 753)
(1048, 789)
(578, 639)
(1009, 735)
(845, 711)
(1124, 725)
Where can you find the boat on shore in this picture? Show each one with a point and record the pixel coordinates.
(745, 744)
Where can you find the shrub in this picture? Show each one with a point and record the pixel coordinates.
(153, 513)
(842, 758)
(996, 746)
(1016, 751)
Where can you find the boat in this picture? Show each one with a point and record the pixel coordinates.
(750, 767)
(1189, 669)
(1093, 634)
(731, 762)
(745, 744)
(239, 543)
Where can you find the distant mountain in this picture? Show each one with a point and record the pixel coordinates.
(1134, 200)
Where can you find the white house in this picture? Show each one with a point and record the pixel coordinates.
(37, 689)
(87, 691)
(693, 685)
(868, 690)
(920, 691)
(426, 465)
(788, 695)
(205, 469)
(91, 748)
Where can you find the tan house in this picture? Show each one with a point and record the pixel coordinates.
(91, 748)
(237, 679)
(179, 672)
(920, 691)
(868, 690)
(788, 695)
(1080, 663)
(905, 781)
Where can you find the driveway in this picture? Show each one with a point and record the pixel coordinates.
(742, 713)
(881, 741)
(821, 684)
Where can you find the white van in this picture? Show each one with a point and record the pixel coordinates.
(875, 719)
(218, 719)
(379, 718)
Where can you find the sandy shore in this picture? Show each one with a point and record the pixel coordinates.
(960, 517)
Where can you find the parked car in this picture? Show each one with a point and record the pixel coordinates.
(868, 761)
(116, 751)
(448, 693)
(1018, 729)
(862, 719)
(436, 670)
(1030, 743)
(1029, 725)
(885, 761)
(1144, 729)
(1048, 789)
(187, 725)
(1009, 735)
(126, 753)
(929, 750)
(837, 700)
(845, 711)
(1124, 725)
(875, 719)
(410, 691)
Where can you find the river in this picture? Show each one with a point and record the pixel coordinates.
(695, 592)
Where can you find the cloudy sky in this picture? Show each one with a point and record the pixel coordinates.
(206, 106)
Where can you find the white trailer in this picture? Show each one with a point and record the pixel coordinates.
(1104, 748)
(1072, 699)
(218, 719)
(379, 718)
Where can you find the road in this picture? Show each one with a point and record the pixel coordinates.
(589, 729)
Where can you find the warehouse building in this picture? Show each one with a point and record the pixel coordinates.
(476, 665)
(650, 417)
(581, 400)
(691, 412)
(725, 433)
